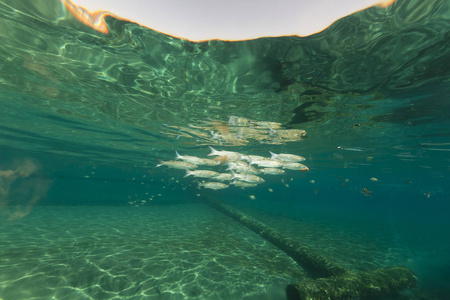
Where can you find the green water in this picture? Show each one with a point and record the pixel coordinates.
(86, 214)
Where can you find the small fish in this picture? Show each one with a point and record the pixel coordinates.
(237, 164)
(201, 173)
(287, 157)
(366, 192)
(357, 149)
(272, 171)
(273, 163)
(223, 177)
(191, 159)
(270, 190)
(247, 177)
(176, 164)
(242, 167)
(243, 184)
(213, 185)
(374, 179)
(295, 166)
(211, 162)
(312, 181)
(252, 197)
(248, 158)
(231, 155)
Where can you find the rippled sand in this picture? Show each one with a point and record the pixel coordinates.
(159, 252)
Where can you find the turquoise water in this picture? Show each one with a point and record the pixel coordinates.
(85, 117)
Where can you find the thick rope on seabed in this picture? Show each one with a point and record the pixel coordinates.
(315, 264)
(334, 282)
(362, 285)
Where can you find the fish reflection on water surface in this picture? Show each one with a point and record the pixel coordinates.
(237, 131)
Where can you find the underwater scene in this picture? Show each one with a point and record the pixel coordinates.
(137, 165)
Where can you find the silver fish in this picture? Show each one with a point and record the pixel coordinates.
(212, 162)
(213, 185)
(249, 158)
(191, 159)
(272, 171)
(176, 164)
(243, 184)
(295, 166)
(242, 167)
(230, 155)
(357, 149)
(237, 164)
(223, 177)
(287, 157)
(248, 170)
(247, 177)
(273, 163)
(201, 173)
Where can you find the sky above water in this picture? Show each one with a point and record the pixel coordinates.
(233, 19)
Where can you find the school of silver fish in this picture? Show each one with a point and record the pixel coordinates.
(243, 169)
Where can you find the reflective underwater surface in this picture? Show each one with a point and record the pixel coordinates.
(86, 214)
